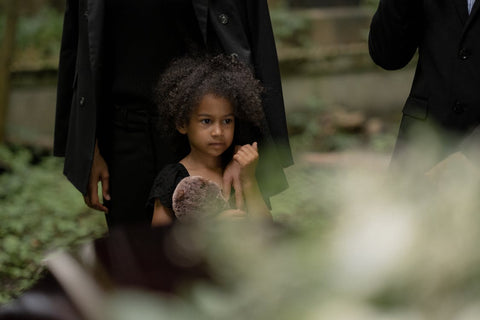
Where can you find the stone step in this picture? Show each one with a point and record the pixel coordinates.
(337, 25)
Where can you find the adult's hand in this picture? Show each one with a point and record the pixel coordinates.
(454, 166)
(99, 172)
(231, 177)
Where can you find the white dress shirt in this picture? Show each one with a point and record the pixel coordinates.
(470, 5)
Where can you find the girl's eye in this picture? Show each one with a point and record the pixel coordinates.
(228, 121)
(205, 121)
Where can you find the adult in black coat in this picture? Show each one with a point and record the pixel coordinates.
(444, 101)
(112, 54)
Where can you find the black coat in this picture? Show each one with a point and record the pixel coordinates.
(446, 85)
(241, 26)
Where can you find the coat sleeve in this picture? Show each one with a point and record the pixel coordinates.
(66, 76)
(395, 32)
(265, 61)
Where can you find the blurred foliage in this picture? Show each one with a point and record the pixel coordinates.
(317, 127)
(387, 250)
(350, 244)
(38, 38)
(41, 30)
(289, 29)
(40, 211)
(299, 207)
(305, 124)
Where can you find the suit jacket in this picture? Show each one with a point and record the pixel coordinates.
(241, 26)
(446, 85)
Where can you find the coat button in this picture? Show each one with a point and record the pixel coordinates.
(459, 108)
(223, 18)
(82, 101)
(464, 54)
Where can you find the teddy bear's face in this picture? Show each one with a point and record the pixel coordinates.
(196, 197)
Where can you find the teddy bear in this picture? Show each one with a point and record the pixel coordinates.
(196, 197)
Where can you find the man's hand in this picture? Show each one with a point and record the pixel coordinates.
(454, 166)
(99, 172)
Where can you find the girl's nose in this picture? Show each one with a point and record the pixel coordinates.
(216, 130)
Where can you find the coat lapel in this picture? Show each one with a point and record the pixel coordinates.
(201, 11)
(95, 15)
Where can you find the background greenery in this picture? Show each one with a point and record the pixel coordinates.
(38, 38)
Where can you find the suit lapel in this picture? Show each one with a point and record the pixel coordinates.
(201, 11)
(462, 10)
(95, 16)
(472, 15)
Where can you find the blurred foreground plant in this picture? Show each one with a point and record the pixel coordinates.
(39, 211)
(360, 244)
(391, 249)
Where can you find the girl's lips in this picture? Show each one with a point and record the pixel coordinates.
(217, 145)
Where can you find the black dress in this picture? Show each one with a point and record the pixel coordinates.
(165, 183)
(190, 198)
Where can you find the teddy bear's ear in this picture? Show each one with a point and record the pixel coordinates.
(180, 195)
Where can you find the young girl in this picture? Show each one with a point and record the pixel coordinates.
(203, 101)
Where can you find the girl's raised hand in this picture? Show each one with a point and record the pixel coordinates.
(232, 213)
(231, 178)
(247, 157)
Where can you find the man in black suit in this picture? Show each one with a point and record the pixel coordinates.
(112, 54)
(443, 106)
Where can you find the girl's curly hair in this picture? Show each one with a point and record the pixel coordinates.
(187, 80)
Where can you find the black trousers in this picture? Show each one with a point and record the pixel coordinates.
(136, 152)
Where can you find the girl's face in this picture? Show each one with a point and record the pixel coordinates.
(211, 126)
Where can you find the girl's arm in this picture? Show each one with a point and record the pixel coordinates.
(161, 215)
(247, 157)
(231, 178)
